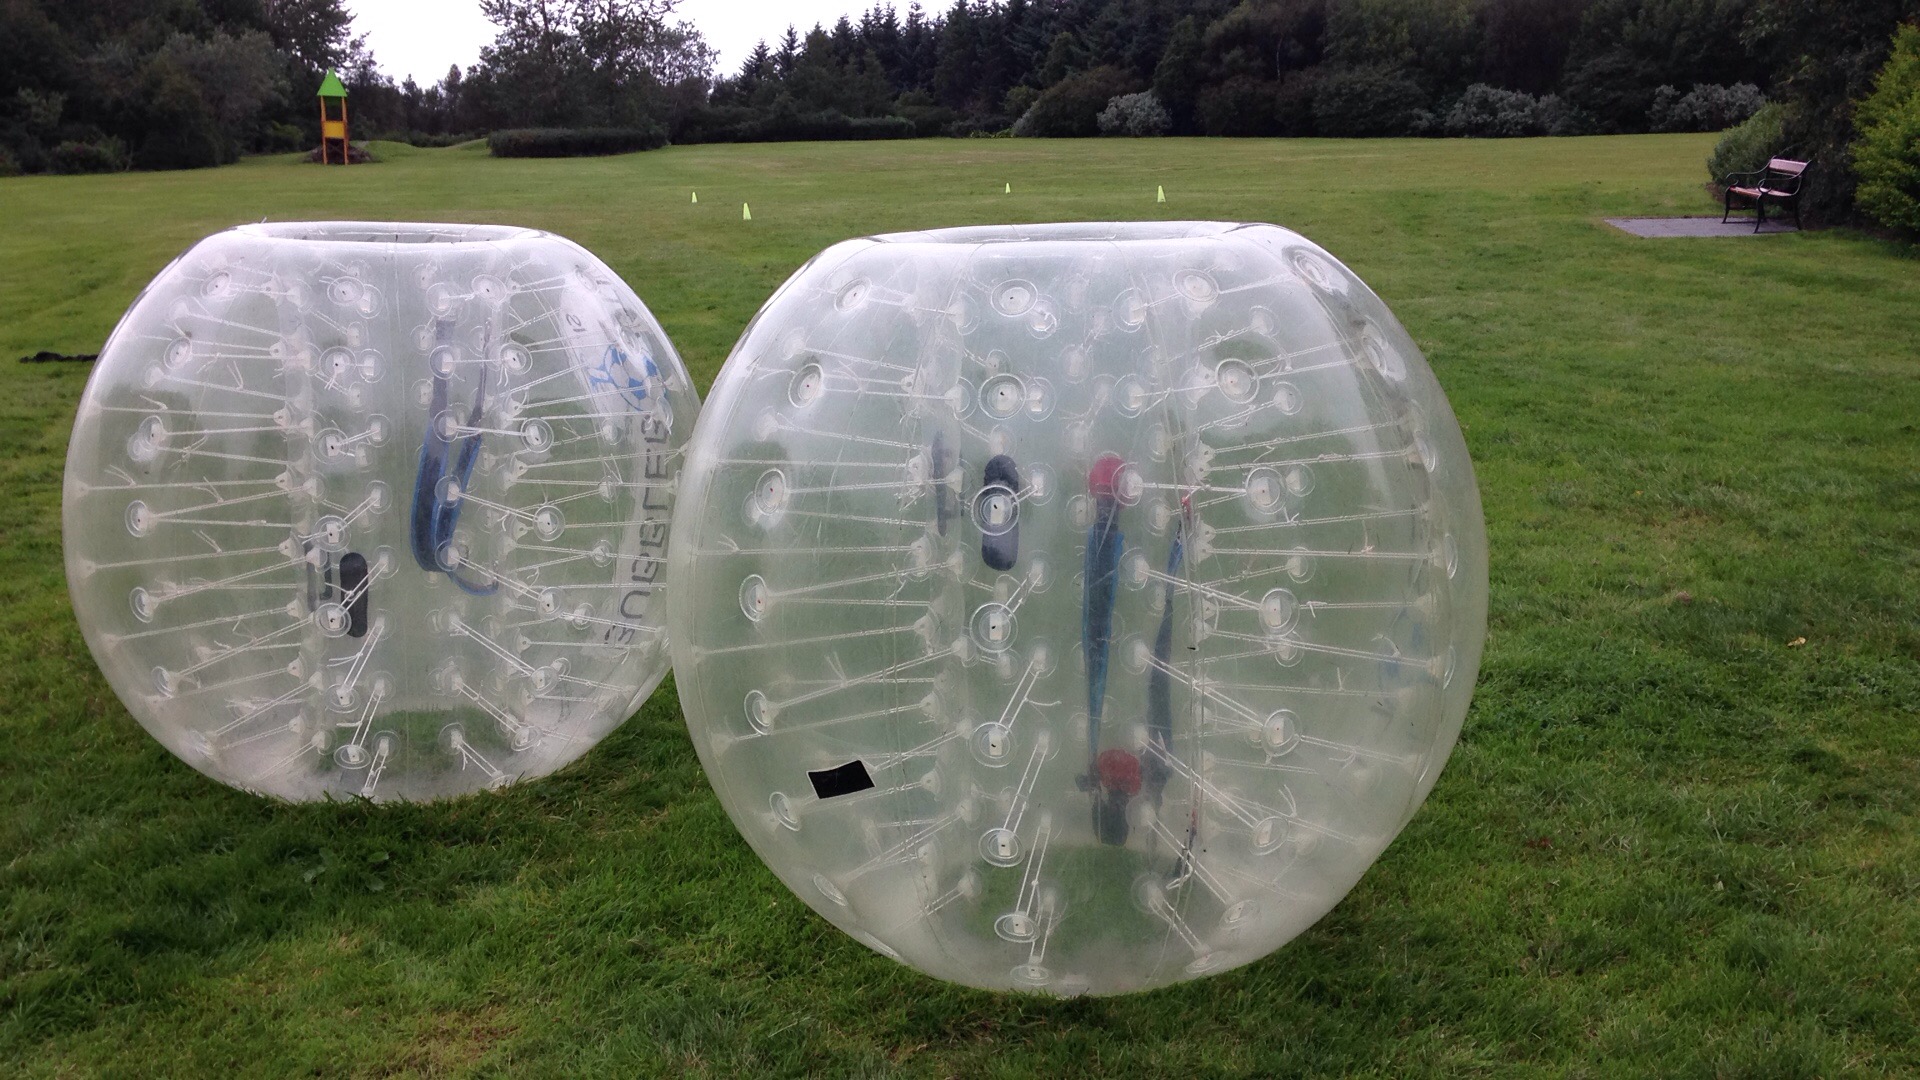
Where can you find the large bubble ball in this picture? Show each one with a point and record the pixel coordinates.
(1079, 608)
(380, 510)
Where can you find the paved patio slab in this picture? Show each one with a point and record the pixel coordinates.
(1694, 226)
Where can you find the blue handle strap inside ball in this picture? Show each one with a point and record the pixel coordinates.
(435, 518)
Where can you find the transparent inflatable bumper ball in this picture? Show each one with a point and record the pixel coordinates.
(367, 509)
(1079, 608)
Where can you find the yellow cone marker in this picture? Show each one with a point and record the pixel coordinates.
(1009, 189)
(696, 196)
(746, 212)
(1163, 194)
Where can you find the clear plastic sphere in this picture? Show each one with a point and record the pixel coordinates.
(380, 510)
(1080, 607)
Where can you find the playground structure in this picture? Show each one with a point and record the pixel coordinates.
(333, 121)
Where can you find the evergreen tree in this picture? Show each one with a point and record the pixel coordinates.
(788, 54)
(1176, 78)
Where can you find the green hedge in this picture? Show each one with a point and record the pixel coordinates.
(785, 123)
(1369, 101)
(96, 156)
(574, 142)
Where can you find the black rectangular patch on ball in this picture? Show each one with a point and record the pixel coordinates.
(841, 780)
(353, 582)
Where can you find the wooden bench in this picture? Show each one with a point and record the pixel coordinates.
(1779, 183)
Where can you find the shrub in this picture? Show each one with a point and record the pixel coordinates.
(1369, 100)
(1489, 112)
(1749, 146)
(282, 139)
(1246, 105)
(929, 117)
(1293, 102)
(182, 131)
(574, 142)
(785, 121)
(28, 154)
(357, 153)
(1017, 102)
(1706, 107)
(1830, 55)
(1242, 105)
(1564, 118)
(1071, 107)
(713, 124)
(928, 120)
(880, 127)
(9, 165)
(1135, 115)
(1886, 157)
(94, 156)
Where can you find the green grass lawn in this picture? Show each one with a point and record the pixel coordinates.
(1676, 839)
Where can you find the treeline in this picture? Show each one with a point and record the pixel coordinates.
(96, 85)
(1207, 67)
(99, 84)
(91, 85)
(1265, 67)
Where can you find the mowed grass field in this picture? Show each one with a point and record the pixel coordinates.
(1680, 836)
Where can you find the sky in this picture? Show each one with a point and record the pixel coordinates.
(422, 38)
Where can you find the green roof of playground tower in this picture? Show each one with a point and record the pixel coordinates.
(331, 87)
